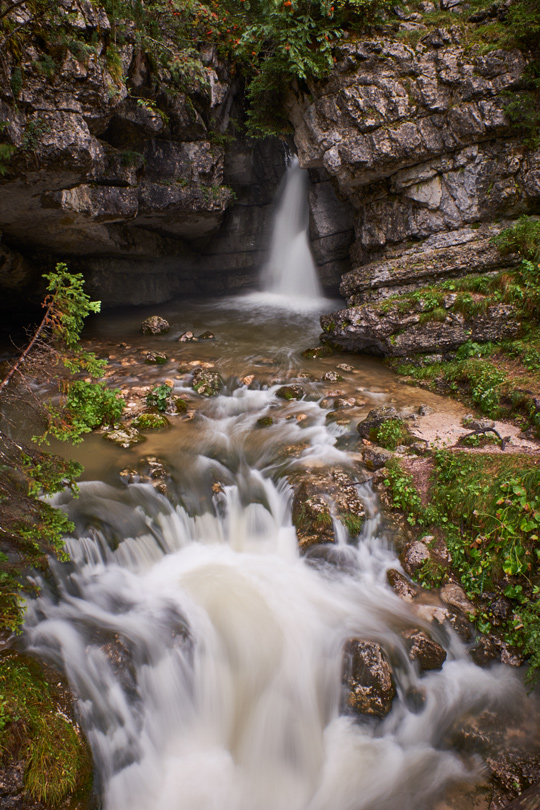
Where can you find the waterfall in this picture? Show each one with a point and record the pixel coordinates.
(290, 270)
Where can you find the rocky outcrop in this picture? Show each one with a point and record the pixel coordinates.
(415, 137)
(388, 330)
(125, 172)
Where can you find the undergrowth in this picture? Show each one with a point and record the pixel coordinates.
(35, 730)
(487, 507)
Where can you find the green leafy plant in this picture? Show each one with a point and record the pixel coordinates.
(159, 397)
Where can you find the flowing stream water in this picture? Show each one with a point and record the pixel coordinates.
(204, 651)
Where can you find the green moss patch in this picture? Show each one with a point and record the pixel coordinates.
(35, 730)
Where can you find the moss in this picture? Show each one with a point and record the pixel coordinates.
(353, 524)
(150, 421)
(264, 421)
(35, 728)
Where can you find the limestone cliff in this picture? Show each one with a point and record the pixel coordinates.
(416, 138)
(125, 171)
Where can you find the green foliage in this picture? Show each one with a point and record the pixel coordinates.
(150, 421)
(523, 238)
(159, 397)
(391, 434)
(34, 728)
(85, 407)
(403, 492)
(353, 524)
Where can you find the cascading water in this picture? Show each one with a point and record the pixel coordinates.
(205, 652)
(290, 270)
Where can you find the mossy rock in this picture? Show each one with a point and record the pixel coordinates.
(290, 392)
(264, 421)
(41, 742)
(155, 325)
(180, 405)
(150, 421)
(155, 359)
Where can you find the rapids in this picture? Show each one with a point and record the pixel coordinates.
(204, 651)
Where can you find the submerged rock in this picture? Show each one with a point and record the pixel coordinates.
(155, 325)
(155, 358)
(124, 436)
(187, 337)
(206, 336)
(318, 351)
(367, 678)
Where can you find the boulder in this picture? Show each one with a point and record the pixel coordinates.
(375, 458)
(155, 325)
(402, 586)
(289, 392)
(389, 331)
(367, 678)
(375, 418)
(423, 650)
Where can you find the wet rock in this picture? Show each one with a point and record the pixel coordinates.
(120, 660)
(149, 470)
(264, 421)
(415, 555)
(318, 351)
(206, 383)
(375, 458)
(318, 497)
(399, 583)
(124, 436)
(422, 649)
(207, 336)
(453, 595)
(155, 358)
(375, 418)
(528, 800)
(434, 614)
(345, 367)
(180, 405)
(155, 325)
(187, 337)
(290, 392)
(367, 678)
(331, 376)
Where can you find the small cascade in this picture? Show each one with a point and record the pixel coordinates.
(290, 270)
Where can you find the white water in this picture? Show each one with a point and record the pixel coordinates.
(290, 271)
(206, 654)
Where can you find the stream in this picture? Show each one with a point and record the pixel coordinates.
(205, 652)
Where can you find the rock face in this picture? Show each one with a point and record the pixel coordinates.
(386, 330)
(123, 173)
(416, 139)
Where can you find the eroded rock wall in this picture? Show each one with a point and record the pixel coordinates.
(416, 139)
(121, 173)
